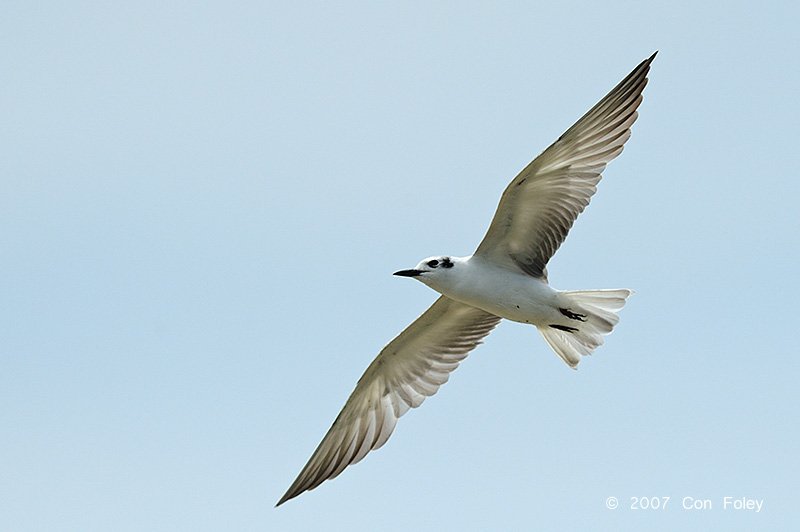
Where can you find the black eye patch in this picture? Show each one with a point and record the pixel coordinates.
(433, 263)
(447, 263)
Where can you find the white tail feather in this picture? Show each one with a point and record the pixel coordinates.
(597, 311)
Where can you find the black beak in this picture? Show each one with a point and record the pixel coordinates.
(408, 273)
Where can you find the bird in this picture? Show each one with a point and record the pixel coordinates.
(505, 278)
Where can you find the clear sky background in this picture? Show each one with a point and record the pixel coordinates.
(202, 205)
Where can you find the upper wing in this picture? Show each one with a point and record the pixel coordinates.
(540, 205)
(409, 369)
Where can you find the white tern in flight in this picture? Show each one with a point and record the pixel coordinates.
(506, 277)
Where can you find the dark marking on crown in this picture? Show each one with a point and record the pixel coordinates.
(447, 263)
(572, 315)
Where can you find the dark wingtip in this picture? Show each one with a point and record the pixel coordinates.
(284, 499)
(646, 63)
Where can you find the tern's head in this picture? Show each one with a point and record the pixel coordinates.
(433, 269)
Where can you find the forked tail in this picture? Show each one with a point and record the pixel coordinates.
(587, 316)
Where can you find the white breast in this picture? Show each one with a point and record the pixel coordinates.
(503, 291)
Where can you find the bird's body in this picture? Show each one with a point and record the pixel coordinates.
(571, 322)
(506, 278)
(505, 292)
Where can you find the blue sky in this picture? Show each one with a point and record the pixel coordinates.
(202, 205)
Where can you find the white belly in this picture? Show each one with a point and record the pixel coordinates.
(506, 293)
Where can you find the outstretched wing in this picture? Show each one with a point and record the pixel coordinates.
(409, 369)
(540, 205)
